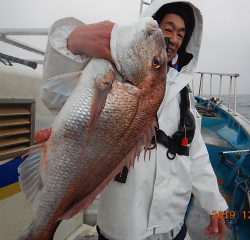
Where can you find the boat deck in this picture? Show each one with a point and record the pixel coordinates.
(84, 232)
(212, 138)
(197, 221)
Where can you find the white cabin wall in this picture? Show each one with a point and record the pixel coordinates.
(16, 214)
(19, 83)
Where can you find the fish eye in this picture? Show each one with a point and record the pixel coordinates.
(156, 62)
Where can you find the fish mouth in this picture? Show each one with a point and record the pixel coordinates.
(152, 27)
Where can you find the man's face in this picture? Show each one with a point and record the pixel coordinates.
(173, 26)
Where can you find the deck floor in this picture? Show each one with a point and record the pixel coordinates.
(211, 138)
(197, 221)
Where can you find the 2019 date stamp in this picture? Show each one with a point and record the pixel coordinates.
(230, 215)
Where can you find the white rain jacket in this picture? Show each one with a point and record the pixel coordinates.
(156, 194)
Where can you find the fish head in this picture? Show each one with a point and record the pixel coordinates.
(140, 54)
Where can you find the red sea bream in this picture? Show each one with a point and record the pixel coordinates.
(103, 126)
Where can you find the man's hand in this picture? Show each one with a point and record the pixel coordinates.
(216, 227)
(91, 39)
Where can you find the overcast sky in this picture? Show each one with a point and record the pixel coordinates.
(225, 45)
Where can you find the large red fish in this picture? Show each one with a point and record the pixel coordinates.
(101, 128)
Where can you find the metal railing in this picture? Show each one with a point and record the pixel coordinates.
(31, 32)
(22, 32)
(144, 3)
(220, 88)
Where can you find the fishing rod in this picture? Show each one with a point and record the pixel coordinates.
(232, 152)
(223, 157)
(18, 60)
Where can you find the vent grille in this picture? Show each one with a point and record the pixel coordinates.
(16, 126)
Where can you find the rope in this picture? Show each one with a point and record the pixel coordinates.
(209, 111)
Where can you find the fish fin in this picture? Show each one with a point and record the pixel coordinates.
(102, 88)
(59, 99)
(144, 143)
(30, 177)
(62, 85)
(128, 161)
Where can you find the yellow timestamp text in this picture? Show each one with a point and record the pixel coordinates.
(230, 215)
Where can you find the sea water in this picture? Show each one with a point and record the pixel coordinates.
(242, 104)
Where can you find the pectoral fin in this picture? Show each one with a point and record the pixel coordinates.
(62, 85)
(102, 87)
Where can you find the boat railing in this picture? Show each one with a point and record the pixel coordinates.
(4, 32)
(144, 3)
(231, 87)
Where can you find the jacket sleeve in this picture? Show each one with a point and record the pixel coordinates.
(204, 181)
(59, 60)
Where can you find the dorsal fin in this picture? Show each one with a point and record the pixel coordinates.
(30, 176)
(62, 85)
(128, 161)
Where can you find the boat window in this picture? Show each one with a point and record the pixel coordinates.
(17, 122)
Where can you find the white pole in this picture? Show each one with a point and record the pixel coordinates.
(193, 84)
(202, 75)
(141, 6)
(24, 31)
(211, 79)
(235, 91)
(220, 88)
(230, 94)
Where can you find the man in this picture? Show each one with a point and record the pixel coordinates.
(151, 201)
